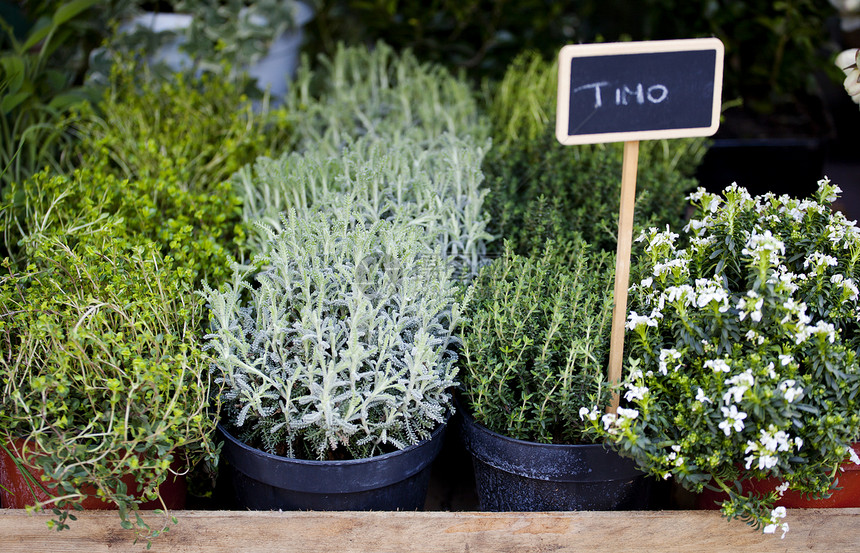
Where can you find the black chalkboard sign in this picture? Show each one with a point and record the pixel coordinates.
(618, 92)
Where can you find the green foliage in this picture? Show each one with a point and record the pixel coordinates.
(195, 131)
(480, 36)
(38, 70)
(101, 372)
(343, 340)
(542, 190)
(222, 37)
(194, 228)
(743, 350)
(378, 92)
(536, 347)
(433, 185)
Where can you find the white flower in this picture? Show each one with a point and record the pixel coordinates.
(782, 488)
(774, 440)
(661, 269)
(819, 260)
(771, 528)
(775, 516)
(825, 330)
(740, 384)
(755, 312)
(635, 320)
(789, 391)
(635, 393)
(734, 420)
(718, 365)
(645, 234)
(701, 397)
(764, 245)
(658, 239)
(754, 337)
(665, 356)
(608, 419)
(627, 413)
(785, 359)
(712, 290)
(700, 193)
(853, 455)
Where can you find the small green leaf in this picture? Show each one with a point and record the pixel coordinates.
(39, 31)
(70, 10)
(10, 102)
(14, 69)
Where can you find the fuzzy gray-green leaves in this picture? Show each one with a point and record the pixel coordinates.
(343, 340)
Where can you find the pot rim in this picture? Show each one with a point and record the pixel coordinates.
(440, 428)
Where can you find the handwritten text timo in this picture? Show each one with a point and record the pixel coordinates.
(654, 94)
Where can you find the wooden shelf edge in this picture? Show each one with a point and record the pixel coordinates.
(833, 530)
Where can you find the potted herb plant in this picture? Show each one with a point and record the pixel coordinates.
(743, 354)
(534, 354)
(104, 388)
(261, 37)
(336, 360)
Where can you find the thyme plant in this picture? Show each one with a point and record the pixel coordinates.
(196, 131)
(743, 351)
(199, 231)
(434, 185)
(342, 345)
(101, 373)
(540, 190)
(536, 347)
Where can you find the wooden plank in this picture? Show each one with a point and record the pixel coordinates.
(832, 530)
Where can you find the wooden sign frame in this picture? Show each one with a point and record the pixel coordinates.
(570, 52)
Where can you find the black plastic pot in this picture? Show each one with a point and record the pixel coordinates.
(516, 475)
(390, 482)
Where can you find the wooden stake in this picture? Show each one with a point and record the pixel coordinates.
(629, 165)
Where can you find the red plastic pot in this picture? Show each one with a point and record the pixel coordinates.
(17, 492)
(847, 496)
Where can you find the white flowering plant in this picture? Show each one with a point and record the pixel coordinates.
(742, 351)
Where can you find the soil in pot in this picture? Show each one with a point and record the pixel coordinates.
(848, 496)
(516, 475)
(395, 481)
(17, 491)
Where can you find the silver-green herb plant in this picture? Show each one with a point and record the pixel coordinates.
(342, 346)
(743, 351)
(433, 185)
(379, 92)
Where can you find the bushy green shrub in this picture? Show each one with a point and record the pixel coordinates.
(433, 185)
(570, 191)
(341, 347)
(743, 351)
(198, 231)
(194, 131)
(101, 373)
(536, 348)
(540, 189)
